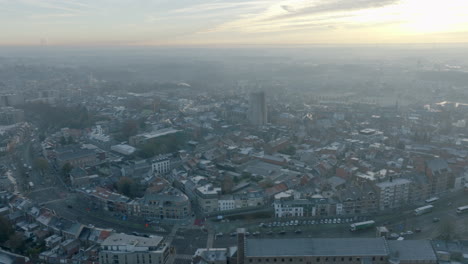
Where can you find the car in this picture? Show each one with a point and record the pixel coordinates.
(256, 233)
(282, 232)
(233, 234)
(261, 225)
(270, 233)
(338, 220)
(69, 206)
(287, 223)
(296, 222)
(322, 221)
(247, 234)
(435, 219)
(298, 231)
(220, 234)
(409, 232)
(417, 230)
(334, 220)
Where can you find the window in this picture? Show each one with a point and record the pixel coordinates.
(300, 260)
(250, 260)
(282, 260)
(350, 259)
(342, 259)
(373, 258)
(326, 259)
(290, 260)
(267, 260)
(381, 258)
(318, 259)
(259, 260)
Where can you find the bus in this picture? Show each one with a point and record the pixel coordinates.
(431, 200)
(462, 210)
(423, 210)
(361, 225)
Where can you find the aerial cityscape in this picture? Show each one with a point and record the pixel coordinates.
(249, 148)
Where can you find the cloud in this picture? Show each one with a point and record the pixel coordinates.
(330, 6)
(292, 14)
(216, 6)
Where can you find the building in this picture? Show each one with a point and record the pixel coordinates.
(258, 109)
(77, 157)
(211, 256)
(333, 250)
(169, 203)
(207, 198)
(10, 115)
(144, 138)
(123, 249)
(123, 149)
(440, 176)
(393, 193)
(161, 164)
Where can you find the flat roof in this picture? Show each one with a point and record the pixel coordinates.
(412, 250)
(316, 247)
(137, 241)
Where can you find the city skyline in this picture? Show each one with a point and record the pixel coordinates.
(227, 22)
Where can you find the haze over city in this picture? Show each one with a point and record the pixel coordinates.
(199, 22)
(234, 131)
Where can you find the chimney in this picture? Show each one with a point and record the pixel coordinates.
(240, 245)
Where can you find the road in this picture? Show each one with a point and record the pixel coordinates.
(398, 221)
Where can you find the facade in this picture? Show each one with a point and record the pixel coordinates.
(226, 203)
(167, 204)
(161, 165)
(124, 249)
(10, 115)
(258, 109)
(77, 157)
(207, 198)
(333, 250)
(393, 193)
(440, 176)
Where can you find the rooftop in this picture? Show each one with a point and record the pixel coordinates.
(129, 240)
(316, 247)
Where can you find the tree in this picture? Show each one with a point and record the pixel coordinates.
(17, 242)
(66, 169)
(5, 230)
(128, 187)
(41, 164)
(124, 185)
(129, 128)
(227, 184)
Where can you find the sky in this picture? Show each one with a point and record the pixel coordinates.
(231, 22)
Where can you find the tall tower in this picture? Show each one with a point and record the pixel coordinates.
(258, 109)
(241, 245)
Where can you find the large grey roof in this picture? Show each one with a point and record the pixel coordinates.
(411, 250)
(316, 247)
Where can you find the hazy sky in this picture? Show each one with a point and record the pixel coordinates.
(161, 22)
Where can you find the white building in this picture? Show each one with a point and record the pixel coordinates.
(393, 193)
(161, 165)
(123, 248)
(227, 203)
